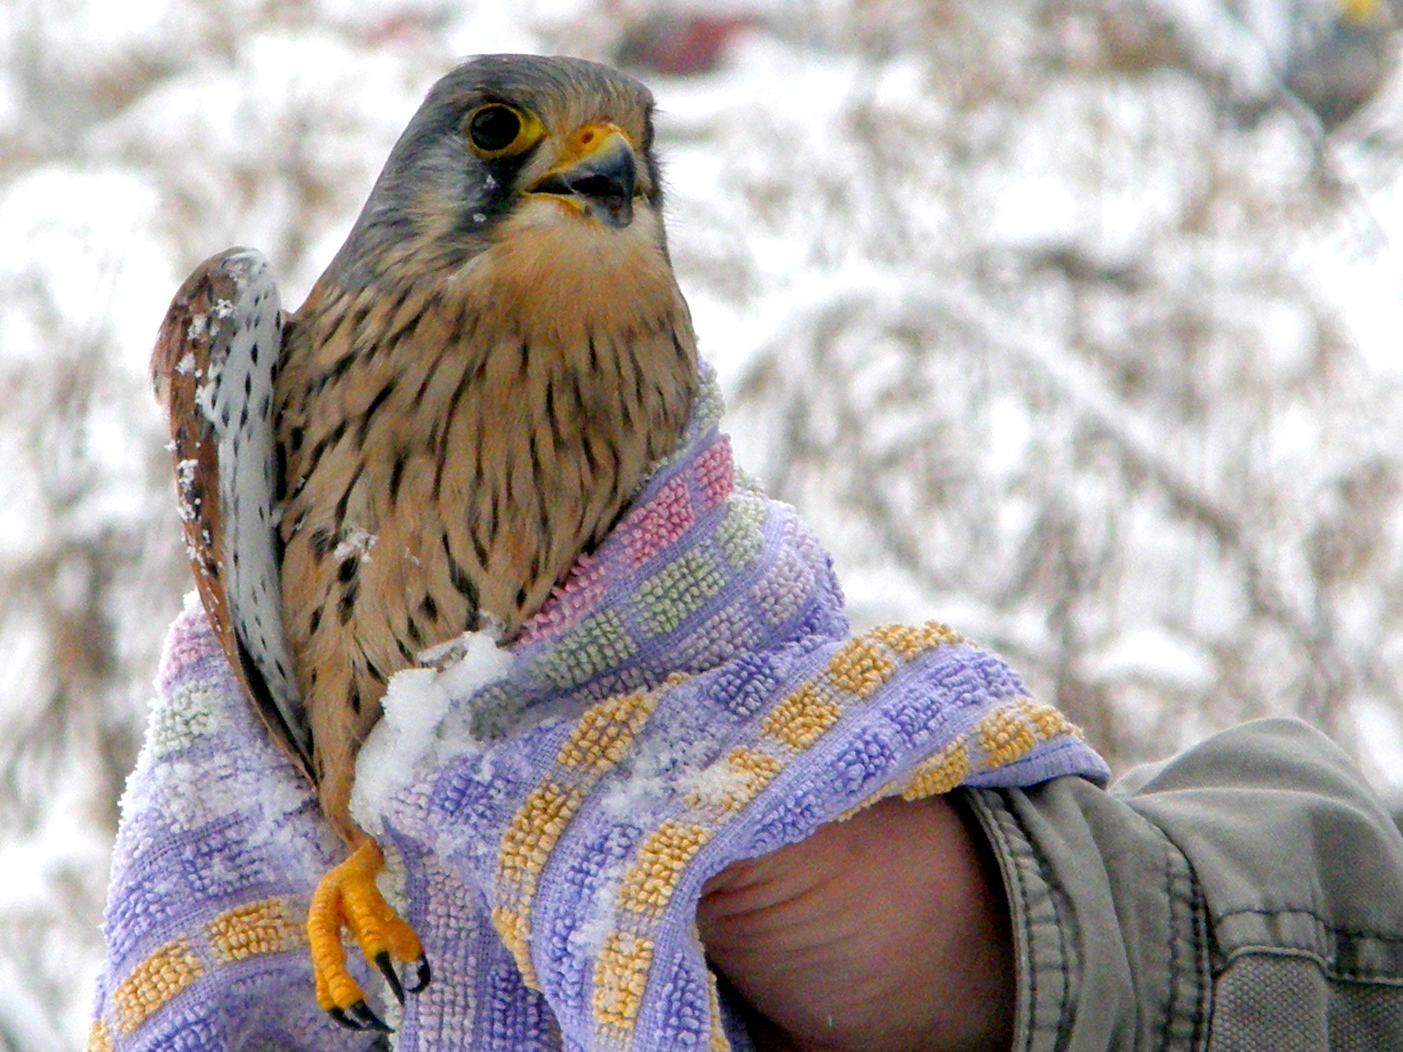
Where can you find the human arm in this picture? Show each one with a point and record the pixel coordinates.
(1246, 894)
(885, 932)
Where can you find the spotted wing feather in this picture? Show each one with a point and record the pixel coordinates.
(215, 362)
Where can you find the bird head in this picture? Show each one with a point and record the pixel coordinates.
(519, 151)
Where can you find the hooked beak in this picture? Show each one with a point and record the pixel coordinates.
(599, 175)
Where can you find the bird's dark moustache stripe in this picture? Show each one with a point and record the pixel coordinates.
(492, 203)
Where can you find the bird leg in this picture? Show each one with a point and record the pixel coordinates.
(347, 897)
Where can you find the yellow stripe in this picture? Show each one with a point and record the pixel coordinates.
(802, 718)
(604, 732)
(600, 739)
(860, 666)
(155, 981)
(939, 774)
(99, 1037)
(269, 926)
(1048, 722)
(1004, 736)
(665, 853)
(909, 643)
(719, 1041)
(621, 975)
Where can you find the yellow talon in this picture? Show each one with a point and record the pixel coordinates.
(347, 896)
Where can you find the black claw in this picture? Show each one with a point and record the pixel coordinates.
(422, 975)
(343, 1019)
(382, 961)
(368, 1020)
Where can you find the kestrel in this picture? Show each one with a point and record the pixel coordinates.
(466, 402)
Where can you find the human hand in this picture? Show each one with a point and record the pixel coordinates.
(885, 933)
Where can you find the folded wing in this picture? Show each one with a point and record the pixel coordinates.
(214, 365)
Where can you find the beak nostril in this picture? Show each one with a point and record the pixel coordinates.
(599, 186)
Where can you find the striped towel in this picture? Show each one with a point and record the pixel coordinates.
(689, 697)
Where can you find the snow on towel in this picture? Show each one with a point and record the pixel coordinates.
(689, 697)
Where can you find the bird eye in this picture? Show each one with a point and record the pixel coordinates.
(496, 129)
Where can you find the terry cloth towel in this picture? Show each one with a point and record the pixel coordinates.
(688, 698)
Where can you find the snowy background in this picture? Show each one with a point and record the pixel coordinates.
(1073, 323)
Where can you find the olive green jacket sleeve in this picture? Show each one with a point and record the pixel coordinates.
(1245, 895)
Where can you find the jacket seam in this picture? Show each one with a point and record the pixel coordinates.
(1172, 991)
(1022, 868)
(1190, 975)
(1203, 962)
(1354, 933)
(1331, 972)
(1011, 862)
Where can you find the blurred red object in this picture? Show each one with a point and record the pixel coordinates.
(680, 44)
